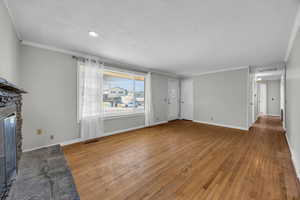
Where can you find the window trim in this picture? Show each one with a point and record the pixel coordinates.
(108, 116)
(124, 71)
(136, 112)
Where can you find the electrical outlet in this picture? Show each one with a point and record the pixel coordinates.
(39, 131)
(211, 119)
(51, 137)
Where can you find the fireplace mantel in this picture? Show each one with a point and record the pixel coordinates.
(5, 85)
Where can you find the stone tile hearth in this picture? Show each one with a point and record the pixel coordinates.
(44, 175)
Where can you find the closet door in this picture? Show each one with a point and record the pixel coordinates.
(160, 98)
(187, 99)
(173, 99)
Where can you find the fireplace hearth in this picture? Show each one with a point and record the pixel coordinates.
(10, 134)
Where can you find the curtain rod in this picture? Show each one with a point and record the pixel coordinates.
(86, 59)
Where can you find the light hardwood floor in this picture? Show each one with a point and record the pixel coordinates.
(186, 160)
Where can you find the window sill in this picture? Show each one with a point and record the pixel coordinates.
(122, 115)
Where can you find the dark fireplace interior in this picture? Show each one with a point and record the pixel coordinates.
(8, 156)
(10, 134)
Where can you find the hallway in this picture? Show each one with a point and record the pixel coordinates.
(266, 123)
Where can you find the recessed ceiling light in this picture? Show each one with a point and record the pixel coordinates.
(93, 34)
(259, 79)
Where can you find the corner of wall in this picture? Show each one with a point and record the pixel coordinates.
(293, 35)
(10, 47)
(295, 162)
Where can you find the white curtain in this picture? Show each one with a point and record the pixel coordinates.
(90, 99)
(148, 101)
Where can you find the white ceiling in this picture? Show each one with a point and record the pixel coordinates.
(180, 36)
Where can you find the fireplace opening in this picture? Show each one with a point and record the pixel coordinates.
(8, 152)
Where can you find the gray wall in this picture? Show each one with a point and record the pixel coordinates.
(9, 47)
(273, 97)
(293, 102)
(122, 123)
(221, 98)
(51, 104)
(50, 79)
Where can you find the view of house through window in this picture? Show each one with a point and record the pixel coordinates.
(123, 93)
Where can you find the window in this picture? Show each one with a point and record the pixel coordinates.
(123, 93)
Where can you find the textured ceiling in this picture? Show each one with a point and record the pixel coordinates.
(180, 36)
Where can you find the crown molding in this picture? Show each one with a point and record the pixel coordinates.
(55, 49)
(120, 64)
(293, 35)
(113, 63)
(220, 70)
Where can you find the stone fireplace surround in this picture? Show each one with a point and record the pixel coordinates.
(42, 174)
(11, 102)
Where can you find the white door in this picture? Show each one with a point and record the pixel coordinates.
(187, 99)
(173, 99)
(251, 97)
(256, 101)
(263, 98)
(160, 98)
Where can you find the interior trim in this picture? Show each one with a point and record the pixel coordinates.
(112, 63)
(123, 130)
(222, 125)
(293, 35)
(295, 162)
(158, 123)
(220, 70)
(123, 115)
(13, 21)
(78, 140)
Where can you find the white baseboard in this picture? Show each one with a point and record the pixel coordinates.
(76, 140)
(158, 123)
(295, 162)
(39, 147)
(73, 141)
(272, 115)
(123, 130)
(222, 125)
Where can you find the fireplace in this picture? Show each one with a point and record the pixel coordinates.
(10, 134)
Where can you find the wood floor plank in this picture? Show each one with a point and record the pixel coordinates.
(186, 160)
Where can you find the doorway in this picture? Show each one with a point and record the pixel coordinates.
(267, 92)
(262, 98)
(173, 99)
(186, 101)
